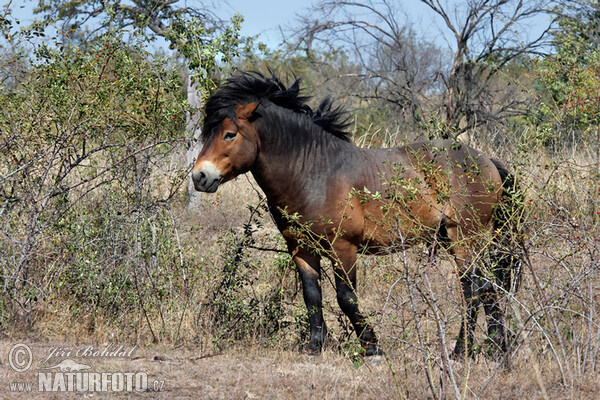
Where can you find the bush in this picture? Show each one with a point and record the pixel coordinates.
(82, 137)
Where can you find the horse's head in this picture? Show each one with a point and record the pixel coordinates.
(230, 150)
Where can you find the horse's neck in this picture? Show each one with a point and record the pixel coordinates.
(291, 168)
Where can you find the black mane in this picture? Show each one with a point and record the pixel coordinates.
(248, 87)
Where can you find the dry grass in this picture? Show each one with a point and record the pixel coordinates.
(253, 372)
(259, 368)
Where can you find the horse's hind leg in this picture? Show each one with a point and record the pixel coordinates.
(309, 270)
(477, 290)
(506, 269)
(495, 316)
(345, 283)
(469, 283)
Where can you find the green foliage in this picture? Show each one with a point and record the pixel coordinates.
(208, 44)
(579, 33)
(570, 101)
(80, 137)
(208, 53)
(355, 352)
(117, 262)
(567, 82)
(242, 305)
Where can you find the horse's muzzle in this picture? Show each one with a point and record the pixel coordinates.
(206, 178)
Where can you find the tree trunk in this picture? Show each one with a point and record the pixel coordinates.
(193, 145)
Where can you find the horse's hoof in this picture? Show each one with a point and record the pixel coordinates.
(459, 354)
(373, 350)
(458, 357)
(311, 349)
(496, 353)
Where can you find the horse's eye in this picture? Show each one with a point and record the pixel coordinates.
(229, 136)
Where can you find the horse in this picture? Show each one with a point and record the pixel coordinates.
(331, 199)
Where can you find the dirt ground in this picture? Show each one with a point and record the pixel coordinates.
(182, 374)
(253, 373)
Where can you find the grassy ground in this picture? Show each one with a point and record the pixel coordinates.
(254, 372)
(234, 327)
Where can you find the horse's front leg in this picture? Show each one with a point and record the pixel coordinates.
(345, 281)
(309, 269)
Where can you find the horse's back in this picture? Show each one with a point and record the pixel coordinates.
(409, 192)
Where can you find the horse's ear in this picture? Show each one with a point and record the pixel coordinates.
(247, 111)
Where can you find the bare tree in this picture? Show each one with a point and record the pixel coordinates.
(484, 36)
(193, 124)
(488, 35)
(396, 66)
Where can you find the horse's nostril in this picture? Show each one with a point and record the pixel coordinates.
(206, 177)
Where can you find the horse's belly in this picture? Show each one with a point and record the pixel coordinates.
(395, 229)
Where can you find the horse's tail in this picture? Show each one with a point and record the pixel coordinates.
(508, 249)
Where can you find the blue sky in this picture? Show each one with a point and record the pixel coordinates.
(261, 17)
(265, 17)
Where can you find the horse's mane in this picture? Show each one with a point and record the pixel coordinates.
(248, 87)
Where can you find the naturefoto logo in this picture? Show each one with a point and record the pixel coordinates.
(68, 375)
(70, 378)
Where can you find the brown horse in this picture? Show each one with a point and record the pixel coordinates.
(330, 198)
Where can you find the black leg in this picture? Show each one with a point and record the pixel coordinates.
(469, 283)
(309, 270)
(478, 290)
(348, 302)
(495, 317)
